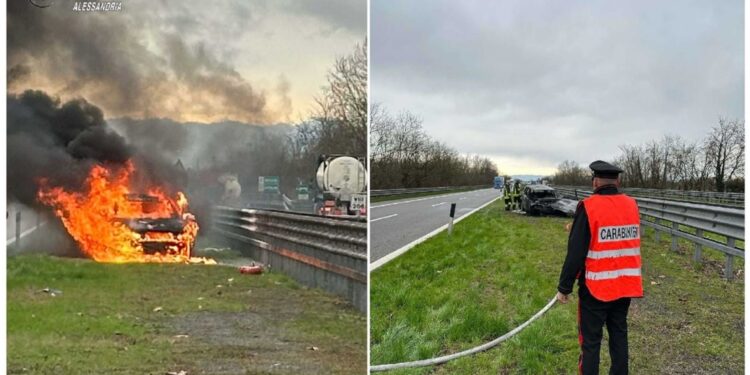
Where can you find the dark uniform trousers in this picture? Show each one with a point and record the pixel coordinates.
(592, 316)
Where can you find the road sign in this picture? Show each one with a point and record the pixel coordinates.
(302, 193)
(268, 184)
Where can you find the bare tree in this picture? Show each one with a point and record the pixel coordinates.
(338, 124)
(342, 107)
(725, 150)
(632, 162)
(571, 173)
(716, 163)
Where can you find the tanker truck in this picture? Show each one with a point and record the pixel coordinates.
(342, 181)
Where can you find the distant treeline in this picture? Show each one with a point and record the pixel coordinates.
(402, 155)
(715, 163)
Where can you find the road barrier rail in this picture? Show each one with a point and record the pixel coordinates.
(387, 192)
(716, 227)
(324, 252)
(693, 196)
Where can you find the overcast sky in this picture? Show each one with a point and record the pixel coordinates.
(255, 61)
(533, 83)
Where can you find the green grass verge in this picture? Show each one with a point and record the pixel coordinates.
(416, 195)
(452, 293)
(127, 318)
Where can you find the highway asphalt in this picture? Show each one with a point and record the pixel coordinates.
(394, 224)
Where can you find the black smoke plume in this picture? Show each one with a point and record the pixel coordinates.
(56, 141)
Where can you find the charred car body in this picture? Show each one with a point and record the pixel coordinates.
(157, 232)
(543, 200)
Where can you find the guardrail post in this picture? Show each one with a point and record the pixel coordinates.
(657, 232)
(18, 230)
(728, 270)
(698, 247)
(675, 228)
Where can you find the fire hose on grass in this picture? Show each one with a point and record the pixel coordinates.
(474, 350)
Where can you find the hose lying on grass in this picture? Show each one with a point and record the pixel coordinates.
(477, 349)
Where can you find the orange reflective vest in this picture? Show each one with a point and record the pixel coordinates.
(613, 262)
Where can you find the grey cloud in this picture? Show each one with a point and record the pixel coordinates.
(108, 57)
(500, 78)
(350, 15)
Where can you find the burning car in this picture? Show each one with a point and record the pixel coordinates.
(112, 224)
(543, 200)
(159, 229)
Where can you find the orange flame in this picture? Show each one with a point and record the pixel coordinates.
(97, 219)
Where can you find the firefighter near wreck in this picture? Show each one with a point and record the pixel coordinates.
(506, 195)
(516, 195)
(512, 195)
(604, 255)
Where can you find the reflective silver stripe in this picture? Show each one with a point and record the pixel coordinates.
(602, 254)
(606, 275)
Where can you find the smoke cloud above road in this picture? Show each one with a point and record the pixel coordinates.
(197, 61)
(533, 83)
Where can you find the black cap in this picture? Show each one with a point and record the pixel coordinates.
(604, 169)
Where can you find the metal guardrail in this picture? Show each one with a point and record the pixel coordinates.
(324, 252)
(387, 192)
(690, 221)
(694, 196)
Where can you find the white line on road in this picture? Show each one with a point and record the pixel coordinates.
(384, 217)
(25, 233)
(419, 199)
(378, 263)
(462, 198)
(439, 204)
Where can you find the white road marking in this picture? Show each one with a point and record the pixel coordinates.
(378, 263)
(439, 204)
(419, 199)
(384, 217)
(462, 198)
(25, 233)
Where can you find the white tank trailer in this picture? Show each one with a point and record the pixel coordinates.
(343, 181)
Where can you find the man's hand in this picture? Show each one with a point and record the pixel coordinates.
(562, 298)
(568, 227)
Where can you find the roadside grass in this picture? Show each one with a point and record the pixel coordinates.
(416, 195)
(452, 293)
(129, 318)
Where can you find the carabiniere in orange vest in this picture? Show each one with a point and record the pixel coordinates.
(613, 263)
(604, 255)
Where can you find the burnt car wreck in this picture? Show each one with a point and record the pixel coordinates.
(543, 200)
